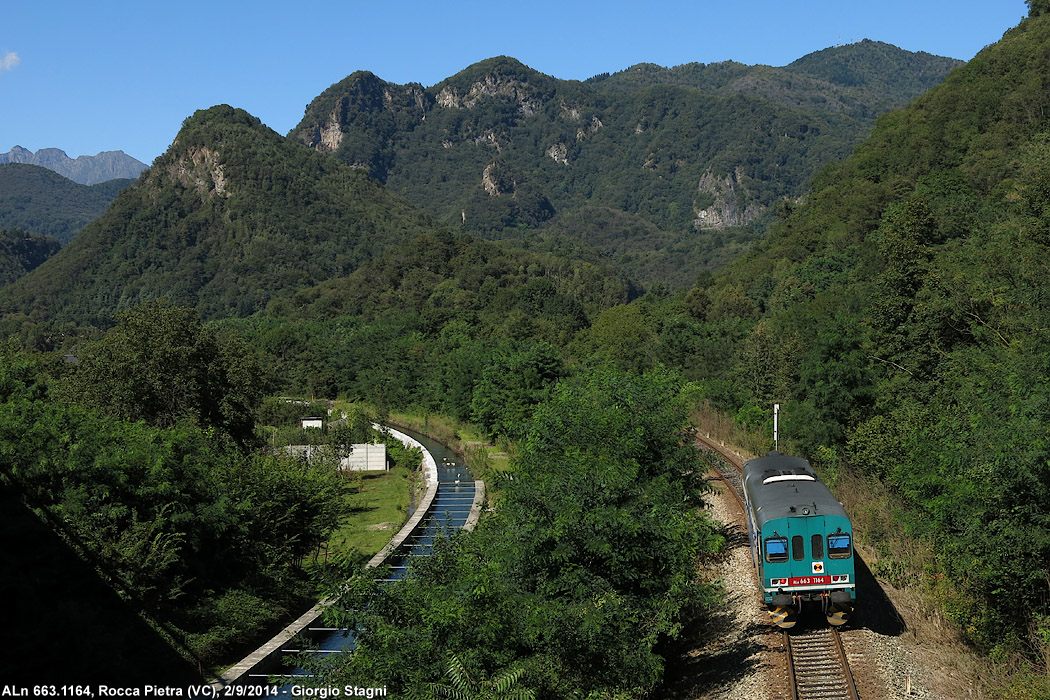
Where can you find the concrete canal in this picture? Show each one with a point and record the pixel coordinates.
(449, 509)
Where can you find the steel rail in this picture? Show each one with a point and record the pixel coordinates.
(734, 485)
(792, 683)
(850, 682)
(731, 457)
(817, 666)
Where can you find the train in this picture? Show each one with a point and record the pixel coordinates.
(801, 540)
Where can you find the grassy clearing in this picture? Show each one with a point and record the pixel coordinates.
(375, 512)
(379, 507)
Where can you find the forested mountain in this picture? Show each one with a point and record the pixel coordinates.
(42, 201)
(87, 170)
(862, 79)
(901, 315)
(445, 321)
(500, 147)
(229, 217)
(21, 252)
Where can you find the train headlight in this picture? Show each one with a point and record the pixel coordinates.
(840, 578)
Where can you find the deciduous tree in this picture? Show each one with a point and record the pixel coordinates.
(160, 364)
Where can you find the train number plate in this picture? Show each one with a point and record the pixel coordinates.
(809, 581)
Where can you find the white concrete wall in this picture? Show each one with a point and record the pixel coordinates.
(365, 458)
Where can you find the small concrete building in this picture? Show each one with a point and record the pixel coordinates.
(313, 422)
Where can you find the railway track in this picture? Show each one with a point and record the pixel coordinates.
(730, 456)
(732, 473)
(817, 667)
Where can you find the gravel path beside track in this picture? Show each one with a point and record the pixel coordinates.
(740, 663)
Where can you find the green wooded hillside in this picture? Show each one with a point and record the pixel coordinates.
(499, 147)
(229, 217)
(21, 252)
(862, 79)
(446, 322)
(902, 315)
(43, 202)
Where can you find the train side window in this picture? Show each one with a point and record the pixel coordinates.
(839, 546)
(817, 546)
(798, 548)
(776, 549)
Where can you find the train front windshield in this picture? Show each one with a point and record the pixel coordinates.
(839, 546)
(776, 549)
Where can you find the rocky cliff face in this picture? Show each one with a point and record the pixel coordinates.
(512, 89)
(364, 108)
(199, 168)
(87, 170)
(733, 205)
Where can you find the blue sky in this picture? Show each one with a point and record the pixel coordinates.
(96, 76)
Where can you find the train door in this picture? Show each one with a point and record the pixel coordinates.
(806, 549)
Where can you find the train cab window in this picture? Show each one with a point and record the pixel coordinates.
(817, 546)
(839, 546)
(798, 548)
(776, 549)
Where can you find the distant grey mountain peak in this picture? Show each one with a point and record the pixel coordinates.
(87, 170)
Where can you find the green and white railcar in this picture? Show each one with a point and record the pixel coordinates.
(801, 540)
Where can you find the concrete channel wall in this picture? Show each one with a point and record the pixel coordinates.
(475, 507)
(431, 475)
(270, 649)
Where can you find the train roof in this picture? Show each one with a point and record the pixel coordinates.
(780, 486)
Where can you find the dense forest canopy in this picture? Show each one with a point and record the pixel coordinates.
(201, 534)
(900, 313)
